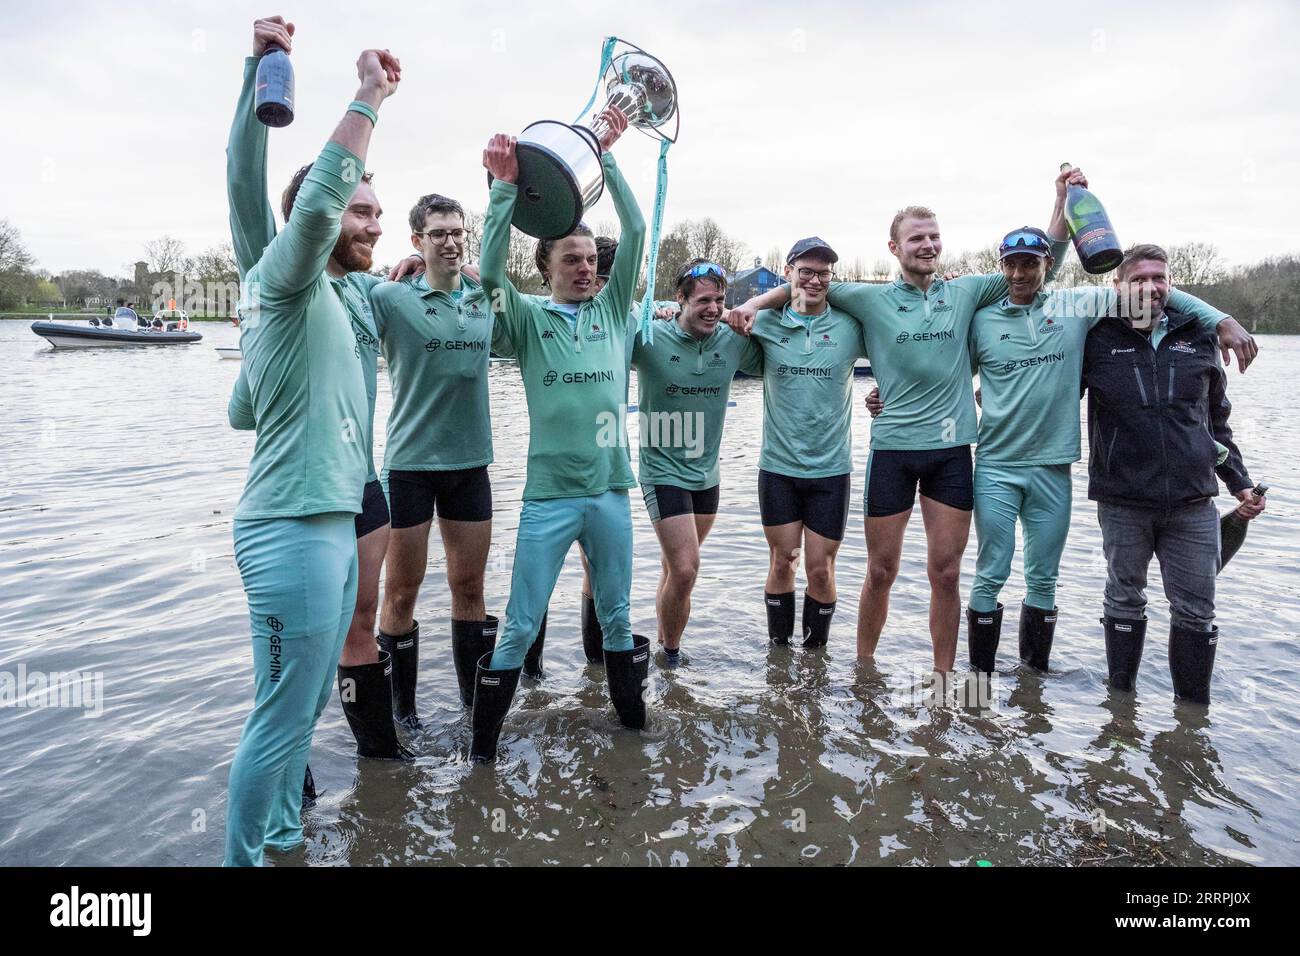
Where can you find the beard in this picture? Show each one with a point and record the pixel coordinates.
(349, 255)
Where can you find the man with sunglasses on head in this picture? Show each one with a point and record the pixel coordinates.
(809, 349)
(684, 376)
(435, 331)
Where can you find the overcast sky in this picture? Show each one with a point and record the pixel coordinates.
(797, 118)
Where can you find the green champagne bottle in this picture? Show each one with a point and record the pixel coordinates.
(1094, 238)
(1232, 529)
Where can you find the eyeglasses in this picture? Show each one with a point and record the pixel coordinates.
(700, 270)
(437, 236)
(824, 274)
(1024, 240)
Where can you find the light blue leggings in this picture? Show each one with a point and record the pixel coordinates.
(1039, 495)
(300, 577)
(602, 524)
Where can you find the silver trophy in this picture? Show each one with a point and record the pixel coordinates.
(560, 176)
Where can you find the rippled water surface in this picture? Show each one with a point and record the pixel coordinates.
(120, 477)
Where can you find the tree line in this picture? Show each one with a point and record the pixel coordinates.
(1263, 296)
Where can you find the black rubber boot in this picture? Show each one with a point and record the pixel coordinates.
(405, 651)
(593, 641)
(983, 631)
(533, 659)
(366, 693)
(780, 617)
(1037, 628)
(816, 621)
(626, 672)
(308, 789)
(1124, 640)
(493, 692)
(1191, 663)
(470, 640)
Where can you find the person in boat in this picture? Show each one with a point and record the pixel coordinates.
(125, 318)
(365, 670)
(571, 353)
(294, 528)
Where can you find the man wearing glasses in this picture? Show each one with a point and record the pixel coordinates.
(809, 350)
(684, 376)
(435, 331)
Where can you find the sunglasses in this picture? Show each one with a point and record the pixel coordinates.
(700, 270)
(1026, 241)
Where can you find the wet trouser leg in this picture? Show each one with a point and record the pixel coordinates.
(300, 577)
(1128, 539)
(999, 497)
(607, 541)
(547, 528)
(1187, 547)
(1045, 517)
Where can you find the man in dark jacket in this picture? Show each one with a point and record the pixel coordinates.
(1158, 434)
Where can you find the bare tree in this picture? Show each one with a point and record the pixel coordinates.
(881, 269)
(709, 241)
(520, 268)
(165, 255)
(674, 252)
(1070, 275)
(473, 236)
(13, 253)
(775, 260)
(1195, 263)
(216, 264)
(16, 283)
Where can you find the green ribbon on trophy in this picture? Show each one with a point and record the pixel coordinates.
(560, 176)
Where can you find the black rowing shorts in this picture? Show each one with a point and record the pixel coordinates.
(943, 475)
(461, 495)
(669, 501)
(374, 510)
(822, 504)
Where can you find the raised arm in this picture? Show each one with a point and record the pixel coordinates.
(631, 241)
(252, 221)
(298, 255)
(992, 288)
(504, 300)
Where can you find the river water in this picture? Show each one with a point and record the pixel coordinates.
(118, 479)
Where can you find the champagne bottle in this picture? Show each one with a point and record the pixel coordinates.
(1094, 239)
(274, 90)
(1232, 529)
